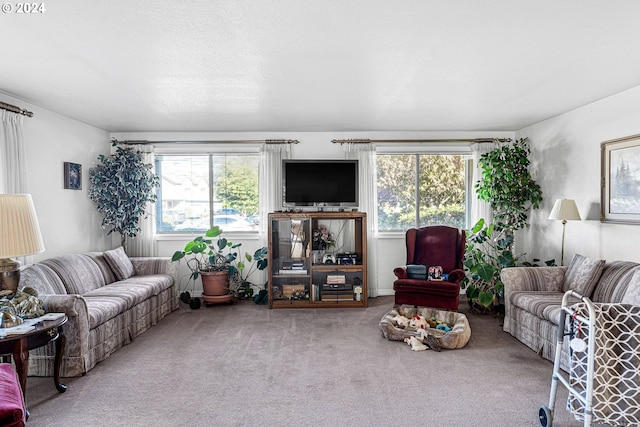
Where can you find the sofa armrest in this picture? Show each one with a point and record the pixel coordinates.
(145, 266)
(401, 272)
(531, 279)
(76, 330)
(455, 276)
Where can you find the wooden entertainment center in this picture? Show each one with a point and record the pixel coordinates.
(302, 274)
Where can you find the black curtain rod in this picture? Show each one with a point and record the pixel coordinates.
(15, 109)
(235, 141)
(369, 141)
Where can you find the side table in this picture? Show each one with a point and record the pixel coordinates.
(19, 345)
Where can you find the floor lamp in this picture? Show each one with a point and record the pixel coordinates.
(19, 236)
(565, 210)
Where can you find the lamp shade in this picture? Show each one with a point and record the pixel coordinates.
(19, 229)
(565, 209)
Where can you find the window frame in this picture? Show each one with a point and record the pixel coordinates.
(208, 149)
(449, 148)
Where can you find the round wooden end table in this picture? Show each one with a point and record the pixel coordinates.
(18, 346)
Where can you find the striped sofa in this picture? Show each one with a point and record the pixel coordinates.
(108, 298)
(533, 296)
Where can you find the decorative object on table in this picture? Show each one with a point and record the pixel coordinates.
(122, 186)
(19, 236)
(323, 239)
(619, 196)
(565, 210)
(25, 303)
(72, 176)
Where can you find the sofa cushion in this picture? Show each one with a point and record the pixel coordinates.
(613, 283)
(159, 282)
(78, 272)
(632, 294)
(132, 293)
(101, 309)
(119, 263)
(583, 274)
(43, 279)
(101, 261)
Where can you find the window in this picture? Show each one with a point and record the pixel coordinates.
(200, 190)
(415, 190)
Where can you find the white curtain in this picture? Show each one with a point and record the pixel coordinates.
(144, 244)
(270, 181)
(479, 208)
(13, 174)
(366, 156)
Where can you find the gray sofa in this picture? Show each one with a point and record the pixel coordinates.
(109, 299)
(533, 296)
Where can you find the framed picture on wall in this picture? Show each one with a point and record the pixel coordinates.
(620, 180)
(72, 176)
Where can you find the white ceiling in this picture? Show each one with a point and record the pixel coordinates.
(321, 65)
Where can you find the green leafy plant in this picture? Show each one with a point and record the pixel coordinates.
(487, 252)
(245, 266)
(508, 187)
(122, 185)
(204, 254)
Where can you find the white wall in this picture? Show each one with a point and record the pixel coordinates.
(69, 222)
(313, 145)
(566, 164)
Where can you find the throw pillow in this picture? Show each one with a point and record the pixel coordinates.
(119, 263)
(632, 294)
(583, 274)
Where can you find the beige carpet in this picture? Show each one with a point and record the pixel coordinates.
(247, 365)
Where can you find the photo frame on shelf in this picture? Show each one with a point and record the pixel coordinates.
(620, 180)
(72, 176)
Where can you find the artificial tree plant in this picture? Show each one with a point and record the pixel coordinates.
(122, 185)
(506, 184)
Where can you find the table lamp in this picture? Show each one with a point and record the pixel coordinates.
(19, 236)
(566, 210)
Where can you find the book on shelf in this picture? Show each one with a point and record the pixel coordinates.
(293, 271)
(336, 279)
(340, 298)
(337, 287)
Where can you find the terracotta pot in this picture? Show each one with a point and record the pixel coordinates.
(215, 282)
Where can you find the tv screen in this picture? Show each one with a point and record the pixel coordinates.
(320, 182)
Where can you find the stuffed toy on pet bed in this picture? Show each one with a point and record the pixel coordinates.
(394, 328)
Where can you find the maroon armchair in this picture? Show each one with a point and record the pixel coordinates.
(437, 245)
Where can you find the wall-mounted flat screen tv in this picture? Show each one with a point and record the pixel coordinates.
(320, 183)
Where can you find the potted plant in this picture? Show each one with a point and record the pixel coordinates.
(242, 268)
(122, 185)
(511, 191)
(217, 264)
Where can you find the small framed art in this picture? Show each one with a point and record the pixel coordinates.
(620, 180)
(72, 176)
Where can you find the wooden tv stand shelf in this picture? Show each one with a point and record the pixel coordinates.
(302, 275)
